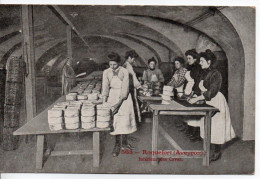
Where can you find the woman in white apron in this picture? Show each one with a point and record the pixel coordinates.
(115, 93)
(221, 127)
(193, 77)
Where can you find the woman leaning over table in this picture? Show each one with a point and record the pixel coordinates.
(115, 93)
(221, 127)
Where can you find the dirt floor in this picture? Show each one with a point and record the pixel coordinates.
(237, 156)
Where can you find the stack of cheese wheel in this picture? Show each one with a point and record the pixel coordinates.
(71, 97)
(88, 116)
(71, 117)
(167, 93)
(103, 116)
(55, 118)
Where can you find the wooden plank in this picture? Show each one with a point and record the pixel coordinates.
(181, 113)
(178, 107)
(169, 139)
(39, 151)
(69, 45)
(63, 15)
(96, 149)
(155, 135)
(207, 138)
(29, 58)
(143, 98)
(68, 153)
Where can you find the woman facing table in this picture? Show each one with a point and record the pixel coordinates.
(210, 84)
(115, 93)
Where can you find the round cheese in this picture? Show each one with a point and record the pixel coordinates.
(72, 125)
(88, 125)
(102, 124)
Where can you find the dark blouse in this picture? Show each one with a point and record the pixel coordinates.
(212, 82)
(196, 74)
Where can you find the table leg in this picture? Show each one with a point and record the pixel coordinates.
(207, 138)
(39, 151)
(155, 135)
(96, 149)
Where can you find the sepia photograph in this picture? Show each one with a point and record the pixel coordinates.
(113, 89)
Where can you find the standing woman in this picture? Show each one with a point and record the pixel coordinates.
(134, 84)
(193, 77)
(68, 76)
(115, 92)
(221, 127)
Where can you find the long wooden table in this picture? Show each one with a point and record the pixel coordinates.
(176, 108)
(39, 126)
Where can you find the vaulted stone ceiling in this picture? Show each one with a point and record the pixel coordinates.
(153, 31)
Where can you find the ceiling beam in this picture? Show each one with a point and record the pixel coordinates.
(68, 22)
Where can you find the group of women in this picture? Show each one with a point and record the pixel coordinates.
(199, 81)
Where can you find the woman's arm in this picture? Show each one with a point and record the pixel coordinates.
(105, 86)
(214, 86)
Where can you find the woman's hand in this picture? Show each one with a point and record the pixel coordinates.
(193, 100)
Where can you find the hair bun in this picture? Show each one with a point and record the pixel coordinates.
(211, 54)
(114, 57)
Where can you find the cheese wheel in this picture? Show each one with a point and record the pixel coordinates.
(87, 112)
(88, 125)
(55, 120)
(93, 96)
(75, 102)
(70, 112)
(71, 98)
(72, 125)
(82, 97)
(103, 118)
(165, 97)
(63, 103)
(102, 124)
(59, 107)
(167, 88)
(55, 127)
(88, 118)
(55, 112)
(168, 93)
(71, 119)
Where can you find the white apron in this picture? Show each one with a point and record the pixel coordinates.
(221, 127)
(124, 120)
(190, 84)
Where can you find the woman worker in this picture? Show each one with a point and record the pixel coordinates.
(152, 74)
(115, 92)
(178, 78)
(68, 76)
(134, 84)
(221, 127)
(193, 77)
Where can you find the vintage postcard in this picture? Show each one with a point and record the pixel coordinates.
(110, 89)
